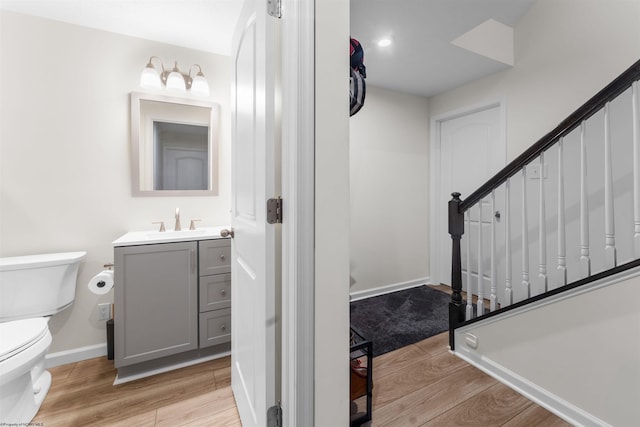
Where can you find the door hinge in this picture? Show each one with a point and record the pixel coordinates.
(274, 8)
(274, 211)
(274, 416)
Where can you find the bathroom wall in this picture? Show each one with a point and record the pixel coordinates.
(65, 172)
(389, 181)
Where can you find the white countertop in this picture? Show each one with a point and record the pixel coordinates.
(149, 237)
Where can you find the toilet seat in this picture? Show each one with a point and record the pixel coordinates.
(18, 335)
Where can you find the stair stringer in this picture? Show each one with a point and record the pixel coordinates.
(574, 353)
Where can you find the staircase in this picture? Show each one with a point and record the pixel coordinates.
(551, 254)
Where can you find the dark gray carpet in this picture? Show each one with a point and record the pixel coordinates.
(401, 318)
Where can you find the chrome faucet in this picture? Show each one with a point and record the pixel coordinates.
(177, 226)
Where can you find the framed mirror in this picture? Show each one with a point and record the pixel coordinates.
(174, 146)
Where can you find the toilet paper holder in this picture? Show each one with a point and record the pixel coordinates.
(108, 265)
(102, 282)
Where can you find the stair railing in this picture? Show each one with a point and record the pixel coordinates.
(533, 161)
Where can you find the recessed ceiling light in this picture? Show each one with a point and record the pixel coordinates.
(384, 42)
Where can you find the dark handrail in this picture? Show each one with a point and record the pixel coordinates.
(588, 109)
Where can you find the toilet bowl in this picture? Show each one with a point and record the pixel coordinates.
(23, 380)
(32, 287)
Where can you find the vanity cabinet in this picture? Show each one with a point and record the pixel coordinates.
(171, 298)
(215, 292)
(156, 301)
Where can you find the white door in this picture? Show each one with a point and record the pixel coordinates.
(253, 310)
(184, 169)
(471, 150)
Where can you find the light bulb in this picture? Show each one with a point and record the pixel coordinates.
(200, 86)
(150, 79)
(175, 81)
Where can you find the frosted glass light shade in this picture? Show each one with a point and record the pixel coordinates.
(175, 81)
(150, 79)
(200, 86)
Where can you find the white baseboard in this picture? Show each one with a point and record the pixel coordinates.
(132, 373)
(553, 403)
(381, 290)
(75, 355)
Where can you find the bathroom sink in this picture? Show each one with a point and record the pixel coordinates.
(172, 234)
(149, 237)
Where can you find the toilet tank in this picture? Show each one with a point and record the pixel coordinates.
(37, 285)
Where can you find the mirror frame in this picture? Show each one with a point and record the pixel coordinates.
(138, 144)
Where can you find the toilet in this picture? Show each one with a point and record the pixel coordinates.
(32, 288)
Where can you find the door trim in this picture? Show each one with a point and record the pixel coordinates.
(298, 192)
(435, 172)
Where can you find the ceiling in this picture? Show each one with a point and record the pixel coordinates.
(421, 59)
(206, 25)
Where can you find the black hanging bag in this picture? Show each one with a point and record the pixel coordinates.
(357, 86)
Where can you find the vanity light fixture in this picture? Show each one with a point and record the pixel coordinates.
(174, 79)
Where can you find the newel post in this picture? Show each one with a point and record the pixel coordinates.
(456, 230)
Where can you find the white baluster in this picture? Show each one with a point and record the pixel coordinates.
(585, 260)
(525, 236)
(635, 98)
(493, 299)
(508, 294)
(469, 285)
(562, 246)
(609, 219)
(542, 231)
(480, 302)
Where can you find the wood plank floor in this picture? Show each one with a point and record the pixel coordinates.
(82, 394)
(418, 385)
(424, 385)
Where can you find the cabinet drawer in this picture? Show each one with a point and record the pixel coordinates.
(215, 327)
(215, 256)
(215, 292)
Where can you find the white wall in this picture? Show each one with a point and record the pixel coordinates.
(562, 58)
(389, 177)
(583, 350)
(65, 175)
(331, 214)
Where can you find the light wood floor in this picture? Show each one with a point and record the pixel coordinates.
(418, 385)
(82, 394)
(424, 385)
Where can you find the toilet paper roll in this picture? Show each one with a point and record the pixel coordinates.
(101, 283)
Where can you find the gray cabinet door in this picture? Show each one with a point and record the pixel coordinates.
(156, 301)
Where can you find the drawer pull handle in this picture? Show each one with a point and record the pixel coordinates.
(223, 327)
(223, 292)
(222, 257)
